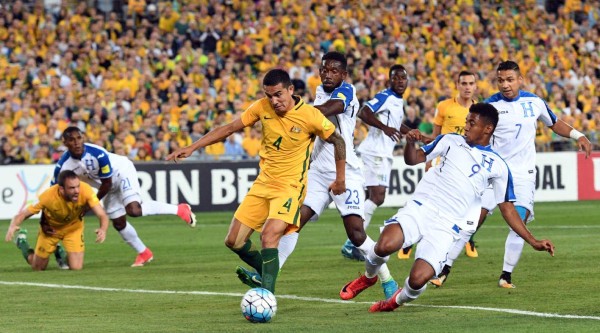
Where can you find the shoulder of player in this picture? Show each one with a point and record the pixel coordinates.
(48, 195)
(95, 150)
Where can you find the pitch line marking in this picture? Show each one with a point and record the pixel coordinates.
(292, 297)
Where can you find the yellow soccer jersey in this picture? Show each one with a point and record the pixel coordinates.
(451, 116)
(287, 141)
(58, 211)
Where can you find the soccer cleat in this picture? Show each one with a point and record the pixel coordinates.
(184, 211)
(439, 280)
(405, 253)
(470, 249)
(387, 305)
(249, 278)
(353, 288)
(389, 288)
(61, 257)
(502, 283)
(350, 251)
(143, 258)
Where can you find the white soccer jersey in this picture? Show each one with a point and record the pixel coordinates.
(96, 163)
(389, 109)
(457, 183)
(514, 137)
(323, 156)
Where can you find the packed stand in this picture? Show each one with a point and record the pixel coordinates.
(161, 74)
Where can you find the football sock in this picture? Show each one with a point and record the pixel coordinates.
(158, 208)
(270, 268)
(287, 243)
(23, 245)
(374, 263)
(130, 236)
(409, 294)
(512, 251)
(370, 207)
(458, 246)
(506, 276)
(250, 255)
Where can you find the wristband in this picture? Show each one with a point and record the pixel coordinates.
(575, 134)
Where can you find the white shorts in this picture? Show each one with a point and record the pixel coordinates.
(318, 196)
(125, 190)
(524, 191)
(376, 170)
(435, 234)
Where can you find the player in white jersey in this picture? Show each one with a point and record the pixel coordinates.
(440, 206)
(383, 114)
(336, 99)
(514, 140)
(115, 177)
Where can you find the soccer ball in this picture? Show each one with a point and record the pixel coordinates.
(259, 305)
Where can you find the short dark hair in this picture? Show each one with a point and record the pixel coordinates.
(509, 65)
(396, 67)
(465, 73)
(486, 111)
(277, 76)
(336, 56)
(64, 175)
(69, 131)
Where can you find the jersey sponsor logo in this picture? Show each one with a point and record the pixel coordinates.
(296, 129)
(503, 112)
(101, 155)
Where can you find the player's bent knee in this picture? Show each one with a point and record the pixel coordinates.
(119, 223)
(134, 209)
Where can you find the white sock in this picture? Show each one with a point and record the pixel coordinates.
(158, 208)
(287, 244)
(130, 236)
(409, 294)
(512, 251)
(370, 207)
(374, 264)
(457, 249)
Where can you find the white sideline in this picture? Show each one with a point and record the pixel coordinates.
(293, 297)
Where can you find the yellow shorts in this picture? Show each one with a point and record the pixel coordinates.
(271, 201)
(71, 236)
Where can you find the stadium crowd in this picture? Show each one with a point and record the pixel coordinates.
(163, 73)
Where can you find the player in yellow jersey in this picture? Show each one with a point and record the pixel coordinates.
(62, 206)
(272, 206)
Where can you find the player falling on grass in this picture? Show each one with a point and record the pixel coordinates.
(62, 206)
(440, 206)
(115, 177)
(272, 206)
(514, 141)
(450, 118)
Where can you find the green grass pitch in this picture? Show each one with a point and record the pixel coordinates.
(191, 285)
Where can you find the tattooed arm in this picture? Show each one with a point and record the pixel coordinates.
(339, 146)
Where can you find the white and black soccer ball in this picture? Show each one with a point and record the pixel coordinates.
(259, 305)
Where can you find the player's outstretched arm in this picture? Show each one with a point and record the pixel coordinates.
(339, 147)
(565, 130)
(103, 218)
(513, 219)
(368, 117)
(412, 155)
(15, 224)
(214, 136)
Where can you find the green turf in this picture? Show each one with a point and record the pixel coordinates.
(195, 260)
